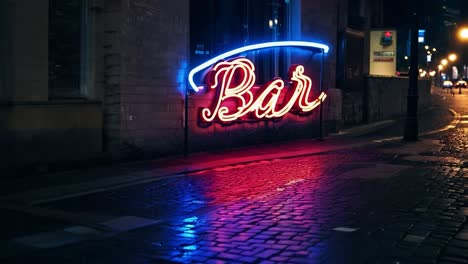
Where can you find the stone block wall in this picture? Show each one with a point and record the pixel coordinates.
(153, 67)
(333, 110)
(110, 57)
(353, 108)
(387, 97)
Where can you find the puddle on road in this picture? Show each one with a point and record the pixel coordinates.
(378, 171)
(426, 145)
(441, 159)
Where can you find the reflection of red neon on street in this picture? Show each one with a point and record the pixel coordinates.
(233, 81)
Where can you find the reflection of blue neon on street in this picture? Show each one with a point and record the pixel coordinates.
(188, 227)
(210, 62)
(192, 219)
(188, 237)
(190, 247)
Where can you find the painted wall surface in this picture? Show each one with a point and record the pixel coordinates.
(5, 50)
(49, 133)
(30, 50)
(33, 129)
(319, 23)
(382, 59)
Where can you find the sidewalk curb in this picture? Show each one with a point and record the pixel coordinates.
(46, 195)
(56, 193)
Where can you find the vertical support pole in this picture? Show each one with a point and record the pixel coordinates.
(321, 100)
(411, 124)
(186, 123)
(86, 50)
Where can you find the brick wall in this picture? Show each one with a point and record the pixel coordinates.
(146, 52)
(319, 24)
(155, 55)
(110, 57)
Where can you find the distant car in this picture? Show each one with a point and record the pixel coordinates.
(461, 83)
(447, 84)
(399, 73)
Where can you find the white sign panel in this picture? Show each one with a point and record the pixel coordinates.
(383, 45)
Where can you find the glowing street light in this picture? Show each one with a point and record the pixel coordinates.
(426, 47)
(270, 23)
(444, 62)
(463, 34)
(440, 67)
(452, 57)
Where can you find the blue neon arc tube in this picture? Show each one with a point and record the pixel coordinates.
(210, 62)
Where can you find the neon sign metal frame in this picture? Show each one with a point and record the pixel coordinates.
(302, 44)
(275, 44)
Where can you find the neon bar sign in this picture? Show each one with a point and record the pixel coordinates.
(237, 97)
(234, 82)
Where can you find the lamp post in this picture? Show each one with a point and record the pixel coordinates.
(444, 63)
(411, 122)
(440, 68)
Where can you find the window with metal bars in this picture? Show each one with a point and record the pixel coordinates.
(69, 49)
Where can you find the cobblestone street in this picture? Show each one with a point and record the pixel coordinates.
(389, 202)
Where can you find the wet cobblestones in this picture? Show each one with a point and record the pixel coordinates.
(385, 204)
(286, 210)
(242, 214)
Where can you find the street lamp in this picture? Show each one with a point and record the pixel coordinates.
(452, 57)
(463, 34)
(444, 62)
(440, 68)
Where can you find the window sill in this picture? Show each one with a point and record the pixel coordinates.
(52, 102)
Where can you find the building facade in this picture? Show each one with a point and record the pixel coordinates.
(109, 78)
(48, 111)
